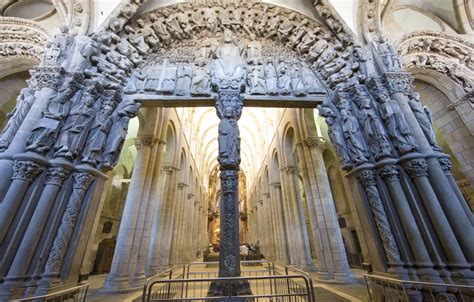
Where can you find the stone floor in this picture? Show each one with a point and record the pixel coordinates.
(330, 292)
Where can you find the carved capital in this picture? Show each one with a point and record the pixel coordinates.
(266, 194)
(398, 82)
(315, 142)
(26, 170)
(56, 176)
(276, 184)
(291, 169)
(446, 165)
(181, 185)
(367, 178)
(190, 195)
(416, 168)
(168, 169)
(145, 140)
(389, 173)
(260, 202)
(82, 181)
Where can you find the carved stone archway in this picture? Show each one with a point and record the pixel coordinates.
(75, 128)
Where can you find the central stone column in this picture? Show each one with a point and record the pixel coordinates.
(228, 75)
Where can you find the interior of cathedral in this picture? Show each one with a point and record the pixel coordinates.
(194, 150)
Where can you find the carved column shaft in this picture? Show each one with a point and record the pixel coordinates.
(81, 184)
(24, 173)
(399, 86)
(411, 229)
(417, 169)
(55, 177)
(369, 183)
(275, 191)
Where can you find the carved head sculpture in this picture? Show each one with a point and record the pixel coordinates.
(253, 37)
(228, 112)
(228, 36)
(140, 22)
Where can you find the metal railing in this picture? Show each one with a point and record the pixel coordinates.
(191, 282)
(73, 294)
(382, 288)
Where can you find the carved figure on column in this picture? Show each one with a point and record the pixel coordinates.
(424, 118)
(397, 127)
(16, 116)
(374, 131)
(336, 135)
(389, 57)
(77, 125)
(98, 134)
(366, 62)
(56, 50)
(353, 136)
(229, 135)
(44, 135)
(120, 120)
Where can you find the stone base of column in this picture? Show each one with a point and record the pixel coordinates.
(232, 289)
(344, 277)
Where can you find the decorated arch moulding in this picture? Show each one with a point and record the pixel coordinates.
(449, 55)
(22, 43)
(368, 16)
(78, 15)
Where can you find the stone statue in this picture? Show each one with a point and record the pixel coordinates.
(98, 134)
(334, 66)
(271, 79)
(16, 116)
(398, 129)
(228, 67)
(210, 18)
(354, 139)
(148, 33)
(160, 29)
(136, 83)
(286, 28)
(297, 82)
(310, 82)
(317, 49)
(249, 19)
(197, 18)
(373, 128)
(44, 134)
(254, 51)
(229, 139)
(326, 57)
(86, 48)
(256, 79)
(271, 28)
(424, 118)
(183, 21)
(183, 83)
(344, 75)
(388, 55)
(201, 82)
(168, 83)
(364, 57)
(298, 33)
(153, 77)
(284, 78)
(174, 28)
(125, 111)
(56, 50)
(137, 40)
(307, 41)
(77, 125)
(336, 135)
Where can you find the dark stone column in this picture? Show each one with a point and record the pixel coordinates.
(229, 105)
